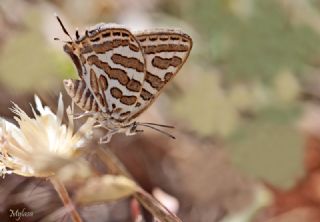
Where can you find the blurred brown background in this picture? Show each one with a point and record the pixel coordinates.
(244, 104)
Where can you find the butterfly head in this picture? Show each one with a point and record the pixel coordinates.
(71, 49)
(72, 46)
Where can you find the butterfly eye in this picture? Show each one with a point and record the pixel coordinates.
(68, 48)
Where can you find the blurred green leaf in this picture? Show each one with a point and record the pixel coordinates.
(27, 63)
(286, 86)
(257, 47)
(208, 109)
(271, 147)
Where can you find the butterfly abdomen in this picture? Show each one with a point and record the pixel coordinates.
(81, 94)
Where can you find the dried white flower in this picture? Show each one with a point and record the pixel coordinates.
(41, 145)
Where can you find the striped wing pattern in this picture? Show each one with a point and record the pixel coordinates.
(165, 51)
(122, 73)
(112, 69)
(115, 69)
(81, 95)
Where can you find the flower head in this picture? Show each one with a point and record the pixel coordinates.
(41, 145)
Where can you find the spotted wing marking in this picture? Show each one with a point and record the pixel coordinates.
(165, 51)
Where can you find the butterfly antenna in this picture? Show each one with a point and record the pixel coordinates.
(156, 129)
(160, 125)
(63, 28)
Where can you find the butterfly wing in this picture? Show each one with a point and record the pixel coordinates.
(113, 68)
(81, 95)
(165, 51)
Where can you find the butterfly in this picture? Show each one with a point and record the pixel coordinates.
(122, 72)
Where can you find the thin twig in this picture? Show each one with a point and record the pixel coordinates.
(64, 196)
(112, 162)
(155, 207)
(149, 202)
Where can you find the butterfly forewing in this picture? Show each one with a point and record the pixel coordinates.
(165, 51)
(113, 68)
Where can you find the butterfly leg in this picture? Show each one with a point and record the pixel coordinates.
(81, 115)
(106, 138)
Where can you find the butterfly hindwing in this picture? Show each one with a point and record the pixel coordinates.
(81, 95)
(165, 51)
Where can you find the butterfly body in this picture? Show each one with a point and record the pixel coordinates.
(121, 73)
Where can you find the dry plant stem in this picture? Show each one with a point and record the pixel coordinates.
(155, 207)
(64, 196)
(112, 162)
(150, 203)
